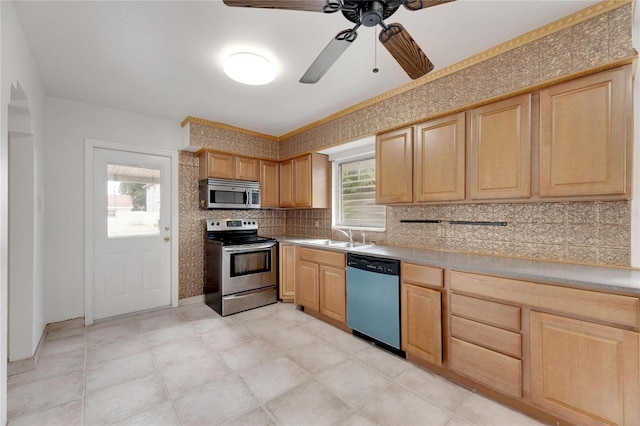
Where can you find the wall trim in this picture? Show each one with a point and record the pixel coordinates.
(553, 27)
(223, 126)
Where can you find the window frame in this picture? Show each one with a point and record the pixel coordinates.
(336, 185)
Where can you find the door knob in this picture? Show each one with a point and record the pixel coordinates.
(166, 228)
(167, 238)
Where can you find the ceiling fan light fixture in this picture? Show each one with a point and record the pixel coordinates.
(249, 68)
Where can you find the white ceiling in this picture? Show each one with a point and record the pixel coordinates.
(164, 58)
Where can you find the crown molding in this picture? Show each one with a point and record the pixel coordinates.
(553, 27)
(223, 126)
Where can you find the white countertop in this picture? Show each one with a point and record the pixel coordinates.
(600, 278)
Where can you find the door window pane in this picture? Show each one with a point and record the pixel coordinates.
(133, 200)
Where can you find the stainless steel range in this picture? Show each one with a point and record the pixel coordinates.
(240, 267)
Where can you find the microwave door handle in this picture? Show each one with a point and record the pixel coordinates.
(248, 203)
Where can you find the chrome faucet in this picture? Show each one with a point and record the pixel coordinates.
(348, 234)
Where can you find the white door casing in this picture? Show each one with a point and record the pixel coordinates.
(131, 264)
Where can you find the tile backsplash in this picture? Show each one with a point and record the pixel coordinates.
(584, 232)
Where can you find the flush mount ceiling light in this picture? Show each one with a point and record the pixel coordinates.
(249, 68)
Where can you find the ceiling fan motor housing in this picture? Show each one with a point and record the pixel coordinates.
(371, 13)
(368, 13)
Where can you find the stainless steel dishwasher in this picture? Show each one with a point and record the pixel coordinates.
(373, 300)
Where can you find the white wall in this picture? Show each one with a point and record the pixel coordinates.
(17, 65)
(27, 291)
(68, 123)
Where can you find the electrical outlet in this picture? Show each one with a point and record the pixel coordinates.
(317, 224)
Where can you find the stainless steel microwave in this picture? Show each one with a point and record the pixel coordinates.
(229, 194)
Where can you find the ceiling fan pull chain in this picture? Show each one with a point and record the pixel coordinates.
(375, 50)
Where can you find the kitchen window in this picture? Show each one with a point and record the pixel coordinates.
(354, 187)
(356, 195)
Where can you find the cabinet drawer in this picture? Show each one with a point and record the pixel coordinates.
(612, 308)
(490, 368)
(420, 274)
(325, 257)
(497, 314)
(497, 339)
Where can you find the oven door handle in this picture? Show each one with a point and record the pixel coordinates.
(248, 247)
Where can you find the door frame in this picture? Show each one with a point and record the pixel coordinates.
(89, 222)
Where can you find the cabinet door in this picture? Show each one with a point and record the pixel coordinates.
(439, 159)
(584, 136)
(307, 285)
(216, 165)
(302, 186)
(247, 169)
(394, 167)
(421, 323)
(287, 272)
(269, 183)
(584, 372)
(286, 183)
(492, 369)
(333, 293)
(500, 150)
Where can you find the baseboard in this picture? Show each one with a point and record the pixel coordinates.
(191, 300)
(28, 364)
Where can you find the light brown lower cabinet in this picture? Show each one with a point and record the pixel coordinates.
(587, 373)
(486, 344)
(490, 368)
(321, 282)
(421, 323)
(287, 272)
(333, 293)
(308, 285)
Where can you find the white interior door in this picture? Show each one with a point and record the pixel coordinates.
(131, 232)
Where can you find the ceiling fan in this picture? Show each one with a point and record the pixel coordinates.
(369, 13)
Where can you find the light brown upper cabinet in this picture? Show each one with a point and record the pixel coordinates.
(228, 166)
(585, 136)
(439, 159)
(247, 168)
(286, 183)
(394, 167)
(216, 165)
(500, 150)
(305, 182)
(270, 183)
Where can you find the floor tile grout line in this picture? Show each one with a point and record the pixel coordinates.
(278, 351)
(471, 394)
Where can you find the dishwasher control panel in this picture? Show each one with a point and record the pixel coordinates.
(374, 264)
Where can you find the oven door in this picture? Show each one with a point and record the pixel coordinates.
(249, 267)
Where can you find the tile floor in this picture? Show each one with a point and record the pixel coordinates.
(268, 366)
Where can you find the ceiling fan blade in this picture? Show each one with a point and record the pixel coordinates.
(405, 51)
(306, 5)
(328, 56)
(423, 4)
